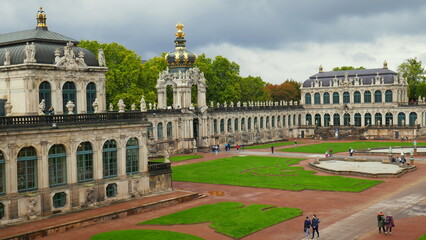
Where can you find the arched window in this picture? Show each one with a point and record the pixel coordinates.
(90, 97)
(317, 120)
(284, 122)
(45, 92)
(299, 118)
(222, 125)
(401, 119)
(389, 119)
(367, 97)
(378, 96)
(84, 162)
(307, 98)
(367, 119)
(308, 119)
(317, 98)
(388, 96)
(261, 122)
(132, 156)
(357, 119)
(249, 123)
(57, 165)
(326, 120)
(336, 98)
(109, 159)
(336, 119)
(357, 97)
(378, 119)
(169, 130)
(243, 124)
(2, 174)
(229, 125)
(294, 119)
(160, 131)
(413, 118)
(346, 119)
(278, 121)
(289, 120)
(27, 169)
(59, 200)
(267, 122)
(273, 122)
(69, 93)
(215, 126)
(111, 190)
(346, 97)
(236, 125)
(326, 98)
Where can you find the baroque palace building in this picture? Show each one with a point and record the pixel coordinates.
(86, 155)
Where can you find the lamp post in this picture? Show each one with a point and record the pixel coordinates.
(390, 154)
(412, 157)
(415, 147)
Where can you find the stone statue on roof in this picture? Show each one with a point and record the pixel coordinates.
(101, 58)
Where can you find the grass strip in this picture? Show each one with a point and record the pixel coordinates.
(144, 234)
(268, 145)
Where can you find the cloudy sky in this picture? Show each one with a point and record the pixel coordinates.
(275, 39)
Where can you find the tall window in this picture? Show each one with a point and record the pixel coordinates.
(84, 162)
(273, 122)
(222, 125)
(367, 97)
(336, 98)
(160, 131)
(57, 165)
(27, 169)
(378, 96)
(90, 97)
(357, 119)
(109, 159)
(236, 125)
(388, 96)
(261, 122)
(215, 126)
(346, 119)
(169, 130)
(367, 119)
(255, 123)
(308, 119)
(307, 98)
(45, 92)
(401, 119)
(267, 122)
(69, 93)
(132, 156)
(346, 97)
(336, 119)
(326, 98)
(249, 123)
(389, 119)
(278, 121)
(357, 97)
(326, 120)
(229, 125)
(283, 120)
(413, 118)
(317, 98)
(317, 120)
(2, 174)
(378, 119)
(243, 124)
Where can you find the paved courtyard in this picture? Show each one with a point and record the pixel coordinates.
(343, 215)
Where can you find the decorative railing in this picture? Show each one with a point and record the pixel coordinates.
(254, 108)
(71, 119)
(155, 168)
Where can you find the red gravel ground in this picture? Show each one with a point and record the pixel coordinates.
(330, 207)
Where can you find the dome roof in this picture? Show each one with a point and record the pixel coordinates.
(45, 42)
(180, 59)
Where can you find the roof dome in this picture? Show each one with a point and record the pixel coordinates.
(13, 45)
(180, 59)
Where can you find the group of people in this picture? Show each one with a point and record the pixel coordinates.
(216, 148)
(314, 223)
(383, 222)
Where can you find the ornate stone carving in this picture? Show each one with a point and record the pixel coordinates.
(7, 57)
(121, 106)
(41, 107)
(30, 52)
(101, 58)
(111, 107)
(143, 104)
(70, 106)
(31, 208)
(95, 105)
(133, 107)
(8, 106)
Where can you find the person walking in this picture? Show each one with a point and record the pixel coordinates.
(330, 152)
(389, 223)
(315, 225)
(272, 149)
(307, 226)
(381, 222)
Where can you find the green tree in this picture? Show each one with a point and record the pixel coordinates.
(346, 68)
(412, 70)
(253, 89)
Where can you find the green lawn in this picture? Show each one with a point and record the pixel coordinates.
(143, 234)
(344, 147)
(268, 145)
(230, 218)
(266, 172)
(178, 158)
(422, 237)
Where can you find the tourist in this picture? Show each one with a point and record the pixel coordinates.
(242, 146)
(351, 151)
(295, 143)
(51, 111)
(326, 154)
(330, 152)
(237, 147)
(272, 149)
(389, 223)
(315, 225)
(307, 226)
(381, 222)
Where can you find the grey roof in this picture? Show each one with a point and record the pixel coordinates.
(366, 74)
(34, 35)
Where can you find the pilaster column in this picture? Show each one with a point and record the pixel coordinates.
(43, 167)
(121, 156)
(97, 159)
(11, 169)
